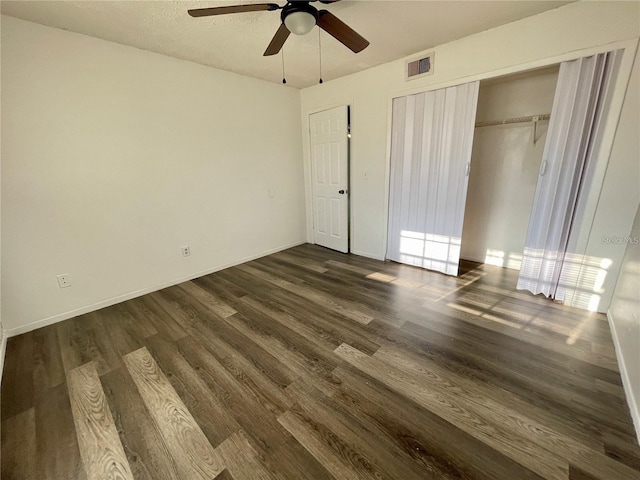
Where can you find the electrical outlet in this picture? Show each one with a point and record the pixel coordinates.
(186, 251)
(64, 280)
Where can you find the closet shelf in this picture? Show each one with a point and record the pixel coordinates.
(531, 118)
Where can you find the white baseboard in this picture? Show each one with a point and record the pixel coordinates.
(634, 407)
(138, 293)
(361, 254)
(369, 255)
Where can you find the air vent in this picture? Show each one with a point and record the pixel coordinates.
(419, 67)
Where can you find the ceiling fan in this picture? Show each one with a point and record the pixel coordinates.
(298, 17)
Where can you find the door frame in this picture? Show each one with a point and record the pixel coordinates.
(308, 185)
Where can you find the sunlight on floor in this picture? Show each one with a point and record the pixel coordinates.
(381, 277)
(581, 282)
(501, 311)
(575, 334)
(480, 314)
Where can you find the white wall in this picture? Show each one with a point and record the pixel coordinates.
(624, 318)
(114, 157)
(624, 311)
(3, 336)
(565, 33)
(504, 167)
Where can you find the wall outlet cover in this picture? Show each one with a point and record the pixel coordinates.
(63, 280)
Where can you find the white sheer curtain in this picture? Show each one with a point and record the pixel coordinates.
(432, 135)
(549, 264)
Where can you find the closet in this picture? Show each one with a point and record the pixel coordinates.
(511, 125)
(486, 194)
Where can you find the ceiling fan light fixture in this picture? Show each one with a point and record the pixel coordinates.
(297, 17)
(300, 23)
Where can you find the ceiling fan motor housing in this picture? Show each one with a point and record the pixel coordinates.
(302, 17)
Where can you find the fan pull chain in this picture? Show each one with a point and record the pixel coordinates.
(320, 52)
(284, 80)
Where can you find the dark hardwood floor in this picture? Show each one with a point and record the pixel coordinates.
(313, 364)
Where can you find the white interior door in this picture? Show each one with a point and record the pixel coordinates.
(330, 178)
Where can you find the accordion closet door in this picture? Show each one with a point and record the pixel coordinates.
(553, 263)
(432, 136)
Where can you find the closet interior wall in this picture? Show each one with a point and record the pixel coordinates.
(505, 163)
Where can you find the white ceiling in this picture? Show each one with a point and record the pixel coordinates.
(236, 42)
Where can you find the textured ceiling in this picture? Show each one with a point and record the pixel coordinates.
(236, 42)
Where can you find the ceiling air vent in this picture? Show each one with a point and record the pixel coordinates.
(419, 67)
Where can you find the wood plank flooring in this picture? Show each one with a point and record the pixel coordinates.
(100, 447)
(313, 364)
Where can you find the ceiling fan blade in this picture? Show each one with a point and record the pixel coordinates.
(277, 41)
(255, 7)
(341, 31)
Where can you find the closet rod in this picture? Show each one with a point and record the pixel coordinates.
(532, 118)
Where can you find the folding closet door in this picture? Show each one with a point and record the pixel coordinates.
(432, 136)
(550, 263)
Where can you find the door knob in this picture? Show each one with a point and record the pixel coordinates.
(342, 192)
